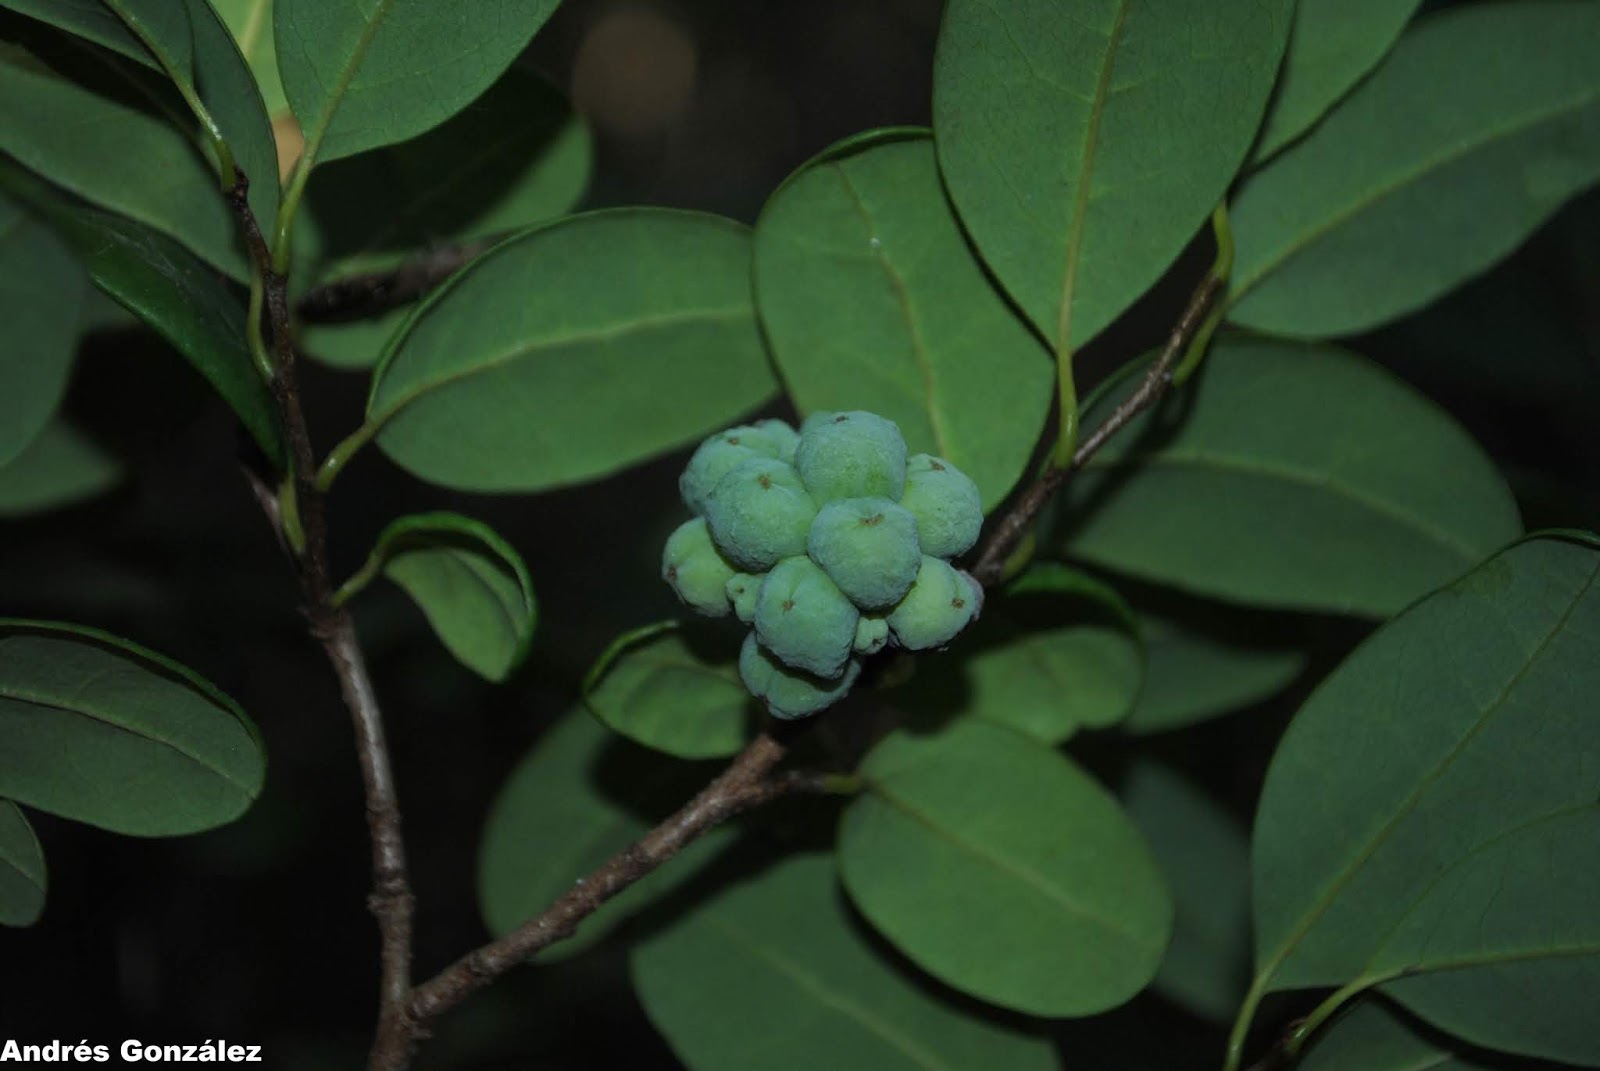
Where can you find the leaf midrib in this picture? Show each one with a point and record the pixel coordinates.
(347, 74)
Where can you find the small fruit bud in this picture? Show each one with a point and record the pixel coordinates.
(940, 604)
(694, 568)
(788, 693)
(759, 513)
(868, 547)
(946, 504)
(852, 455)
(804, 619)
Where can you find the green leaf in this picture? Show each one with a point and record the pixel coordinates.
(1373, 1037)
(774, 972)
(1203, 851)
(1197, 671)
(470, 583)
(1002, 869)
(580, 796)
(1293, 476)
(103, 731)
(1333, 44)
(1430, 823)
(250, 22)
(1084, 145)
(674, 688)
(872, 299)
(574, 350)
(97, 21)
(1054, 653)
(22, 870)
(360, 75)
(60, 467)
(42, 290)
(1478, 127)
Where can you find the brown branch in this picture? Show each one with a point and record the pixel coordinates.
(1013, 524)
(357, 297)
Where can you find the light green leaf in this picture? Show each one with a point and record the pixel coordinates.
(1430, 823)
(574, 350)
(250, 22)
(22, 870)
(60, 467)
(1333, 44)
(1054, 653)
(978, 822)
(360, 75)
(1196, 672)
(1203, 851)
(470, 583)
(102, 731)
(1373, 1037)
(774, 973)
(580, 796)
(1085, 143)
(1293, 476)
(1482, 122)
(42, 288)
(872, 299)
(675, 688)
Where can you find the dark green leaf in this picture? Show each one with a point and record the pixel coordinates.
(1002, 869)
(1333, 43)
(362, 75)
(60, 467)
(1430, 823)
(1293, 476)
(873, 300)
(1084, 146)
(674, 688)
(574, 350)
(580, 796)
(1479, 125)
(469, 582)
(42, 288)
(1204, 853)
(102, 731)
(95, 20)
(774, 973)
(1373, 1037)
(250, 22)
(22, 870)
(1194, 673)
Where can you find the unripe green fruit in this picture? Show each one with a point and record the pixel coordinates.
(722, 452)
(939, 605)
(872, 635)
(804, 619)
(787, 693)
(868, 547)
(852, 455)
(946, 504)
(697, 572)
(743, 588)
(759, 513)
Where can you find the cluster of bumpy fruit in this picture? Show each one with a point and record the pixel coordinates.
(830, 543)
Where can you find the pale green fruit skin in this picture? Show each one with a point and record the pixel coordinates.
(852, 455)
(872, 635)
(760, 513)
(946, 504)
(743, 589)
(939, 605)
(699, 574)
(719, 454)
(804, 619)
(868, 547)
(787, 693)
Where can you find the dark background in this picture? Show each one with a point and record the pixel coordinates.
(258, 932)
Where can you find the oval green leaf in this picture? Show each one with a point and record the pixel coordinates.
(102, 731)
(1481, 123)
(1002, 869)
(675, 688)
(1293, 476)
(1083, 147)
(872, 299)
(22, 870)
(1204, 853)
(1430, 822)
(1373, 1037)
(1333, 43)
(250, 22)
(360, 75)
(42, 297)
(60, 467)
(469, 583)
(780, 957)
(574, 350)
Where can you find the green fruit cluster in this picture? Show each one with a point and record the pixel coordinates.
(830, 543)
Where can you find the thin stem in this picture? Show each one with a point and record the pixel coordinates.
(369, 294)
(1296, 1038)
(1241, 1024)
(341, 454)
(1222, 270)
(1067, 402)
(289, 207)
